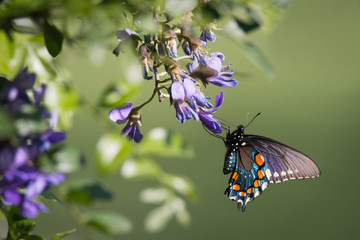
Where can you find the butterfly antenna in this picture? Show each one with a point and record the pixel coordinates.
(246, 119)
(213, 134)
(230, 124)
(252, 120)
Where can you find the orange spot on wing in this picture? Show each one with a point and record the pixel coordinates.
(260, 174)
(259, 160)
(236, 187)
(256, 183)
(235, 176)
(249, 190)
(242, 194)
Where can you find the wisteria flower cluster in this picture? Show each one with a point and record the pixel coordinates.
(22, 179)
(183, 86)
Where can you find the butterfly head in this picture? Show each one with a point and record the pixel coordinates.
(241, 129)
(234, 136)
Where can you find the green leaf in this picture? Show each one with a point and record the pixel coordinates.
(31, 237)
(255, 55)
(158, 218)
(111, 151)
(67, 159)
(4, 226)
(62, 235)
(84, 192)
(6, 127)
(160, 142)
(53, 38)
(51, 196)
(30, 121)
(24, 226)
(258, 58)
(118, 94)
(6, 53)
(177, 7)
(181, 214)
(63, 99)
(156, 195)
(180, 184)
(140, 168)
(110, 223)
(183, 217)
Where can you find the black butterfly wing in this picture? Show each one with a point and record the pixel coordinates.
(283, 161)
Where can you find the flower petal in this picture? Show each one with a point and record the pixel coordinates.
(55, 178)
(177, 92)
(127, 129)
(138, 136)
(30, 209)
(218, 102)
(189, 88)
(21, 157)
(24, 80)
(218, 55)
(210, 123)
(120, 114)
(36, 187)
(12, 197)
(223, 82)
(125, 33)
(56, 137)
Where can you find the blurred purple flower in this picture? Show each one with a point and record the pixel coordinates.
(21, 178)
(18, 172)
(213, 72)
(121, 115)
(13, 93)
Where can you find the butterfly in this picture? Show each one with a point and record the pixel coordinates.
(255, 161)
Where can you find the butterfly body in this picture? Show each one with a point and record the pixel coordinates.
(256, 161)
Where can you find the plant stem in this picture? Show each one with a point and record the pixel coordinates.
(156, 62)
(156, 90)
(183, 57)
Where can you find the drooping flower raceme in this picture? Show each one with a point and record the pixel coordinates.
(22, 179)
(183, 87)
(124, 113)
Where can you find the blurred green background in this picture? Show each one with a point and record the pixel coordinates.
(311, 104)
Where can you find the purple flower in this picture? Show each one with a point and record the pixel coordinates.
(13, 93)
(18, 172)
(21, 178)
(145, 62)
(169, 36)
(124, 113)
(121, 114)
(180, 93)
(213, 72)
(207, 35)
(132, 131)
(208, 119)
(126, 37)
(39, 144)
(125, 33)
